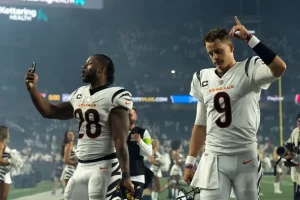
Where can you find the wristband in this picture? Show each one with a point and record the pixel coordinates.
(248, 37)
(253, 41)
(125, 175)
(189, 166)
(190, 160)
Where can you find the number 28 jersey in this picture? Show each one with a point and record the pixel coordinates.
(92, 112)
(229, 105)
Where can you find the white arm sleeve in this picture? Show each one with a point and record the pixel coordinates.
(145, 145)
(201, 114)
(195, 92)
(195, 87)
(261, 73)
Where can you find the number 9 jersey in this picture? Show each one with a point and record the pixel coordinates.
(92, 112)
(229, 105)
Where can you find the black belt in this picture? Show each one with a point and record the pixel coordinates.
(108, 157)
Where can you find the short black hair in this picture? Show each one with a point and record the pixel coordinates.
(110, 67)
(216, 34)
(175, 145)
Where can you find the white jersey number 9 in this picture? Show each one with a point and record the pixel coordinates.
(222, 104)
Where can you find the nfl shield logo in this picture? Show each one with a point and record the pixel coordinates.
(220, 82)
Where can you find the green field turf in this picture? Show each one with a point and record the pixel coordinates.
(267, 190)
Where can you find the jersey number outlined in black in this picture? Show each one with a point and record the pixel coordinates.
(90, 120)
(224, 108)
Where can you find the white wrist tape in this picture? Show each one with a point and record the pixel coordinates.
(253, 41)
(190, 160)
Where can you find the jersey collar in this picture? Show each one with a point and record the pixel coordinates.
(221, 74)
(97, 89)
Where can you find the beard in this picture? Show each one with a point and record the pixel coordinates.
(89, 77)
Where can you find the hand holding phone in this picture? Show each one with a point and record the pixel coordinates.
(33, 66)
(31, 77)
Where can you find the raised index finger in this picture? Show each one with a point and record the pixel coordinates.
(237, 20)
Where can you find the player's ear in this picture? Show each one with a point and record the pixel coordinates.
(102, 69)
(231, 46)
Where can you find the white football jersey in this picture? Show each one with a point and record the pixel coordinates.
(229, 105)
(92, 111)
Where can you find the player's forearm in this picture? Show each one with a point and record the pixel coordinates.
(4, 162)
(62, 111)
(70, 162)
(41, 104)
(122, 155)
(197, 140)
(119, 119)
(277, 66)
(271, 59)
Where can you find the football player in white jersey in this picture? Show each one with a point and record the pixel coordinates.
(102, 112)
(228, 116)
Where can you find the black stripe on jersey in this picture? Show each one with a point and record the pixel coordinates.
(256, 59)
(258, 182)
(126, 95)
(259, 167)
(116, 172)
(119, 92)
(260, 174)
(247, 66)
(113, 185)
(75, 92)
(128, 99)
(198, 75)
(111, 188)
(114, 164)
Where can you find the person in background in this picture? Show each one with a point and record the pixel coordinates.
(295, 171)
(57, 173)
(6, 160)
(278, 172)
(68, 152)
(155, 168)
(139, 146)
(176, 170)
